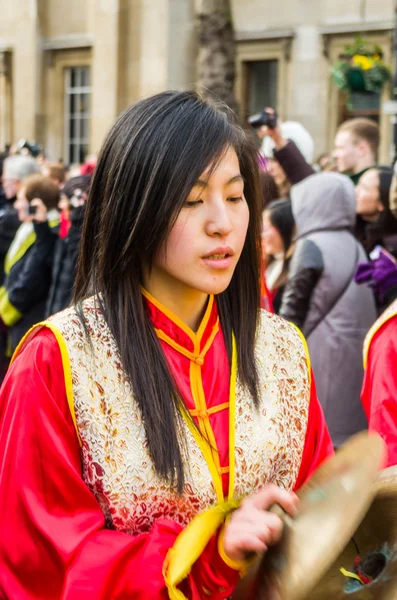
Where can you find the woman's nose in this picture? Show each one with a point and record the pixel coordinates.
(219, 222)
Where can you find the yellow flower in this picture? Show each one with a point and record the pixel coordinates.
(363, 62)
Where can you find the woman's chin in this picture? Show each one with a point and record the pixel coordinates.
(214, 285)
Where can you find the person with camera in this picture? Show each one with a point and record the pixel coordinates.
(29, 259)
(288, 147)
(75, 194)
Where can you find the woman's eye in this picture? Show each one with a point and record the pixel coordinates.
(193, 202)
(235, 198)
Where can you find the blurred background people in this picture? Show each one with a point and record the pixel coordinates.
(28, 263)
(373, 206)
(56, 172)
(74, 194)
(15, 170)
(356, 147)
(278, 230)
(3, 156)
(323, 300)
(393, 192)
(326, 162)
(269, 189)
(289, 149)
(380, 274)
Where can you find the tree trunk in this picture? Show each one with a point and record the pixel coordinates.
(217, 52)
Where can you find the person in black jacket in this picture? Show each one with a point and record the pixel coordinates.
(28, 263)
(15, 170)
(66, 252)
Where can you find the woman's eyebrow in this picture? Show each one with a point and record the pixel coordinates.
(203, 183)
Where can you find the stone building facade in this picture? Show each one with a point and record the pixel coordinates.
(67, 69)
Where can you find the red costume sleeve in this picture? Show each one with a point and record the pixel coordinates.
(53, 544)
(379, 393)
(318, 444)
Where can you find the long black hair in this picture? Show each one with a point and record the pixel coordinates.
(148, 164)
(386, 223)
(281, 217)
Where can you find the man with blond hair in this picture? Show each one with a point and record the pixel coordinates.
(356, 147)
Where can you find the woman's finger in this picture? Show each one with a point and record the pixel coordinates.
(270, 495)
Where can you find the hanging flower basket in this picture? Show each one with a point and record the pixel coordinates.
(361, 69)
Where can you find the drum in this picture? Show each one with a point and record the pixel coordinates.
(344, 500)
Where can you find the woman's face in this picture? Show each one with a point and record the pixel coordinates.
(368, 204)
(64, 203)
(272, 241)
(277, 172)
(206, 241)
(21, 205)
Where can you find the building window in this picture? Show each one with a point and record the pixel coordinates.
(77, 114)
(262, 83)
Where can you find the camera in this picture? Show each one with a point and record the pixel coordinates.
(263, 118)
(33, 148)
(32, 210)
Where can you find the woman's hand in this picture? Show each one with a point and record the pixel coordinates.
(252, 528)
(40, 216)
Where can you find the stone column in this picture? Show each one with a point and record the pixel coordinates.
(182, 44)
(5, 112)
(105, 75)
(26, 70)
(154, 56)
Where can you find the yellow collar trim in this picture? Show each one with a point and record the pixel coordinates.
(196, 356)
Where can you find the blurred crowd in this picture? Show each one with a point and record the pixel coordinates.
(329, 245)
(329, 251)
(41, 215)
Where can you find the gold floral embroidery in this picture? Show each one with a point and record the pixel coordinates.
(117, 466)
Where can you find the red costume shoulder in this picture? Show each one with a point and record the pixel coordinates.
(379, 393)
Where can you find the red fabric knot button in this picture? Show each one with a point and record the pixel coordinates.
(203, 414)
(199, 360)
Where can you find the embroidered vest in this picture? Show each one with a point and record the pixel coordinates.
(117, 466)
(388, 314)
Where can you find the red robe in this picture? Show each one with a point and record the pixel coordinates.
(53, 543)
(379, 393)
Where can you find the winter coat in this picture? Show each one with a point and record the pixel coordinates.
(64, 266)
(28, 277)
(9, 224)
(322, 298)
(293, 163)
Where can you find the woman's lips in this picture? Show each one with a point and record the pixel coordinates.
(218, 260)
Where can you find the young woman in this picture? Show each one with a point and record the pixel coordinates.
(164, 391)
(278, 230)
(373, 207)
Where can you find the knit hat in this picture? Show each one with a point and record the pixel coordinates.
(294, 131)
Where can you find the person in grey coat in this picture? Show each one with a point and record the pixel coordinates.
(323, 300)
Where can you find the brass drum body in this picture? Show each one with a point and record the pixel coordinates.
(378, 527)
